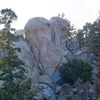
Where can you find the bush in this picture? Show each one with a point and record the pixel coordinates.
(69, 98)
(75, 69)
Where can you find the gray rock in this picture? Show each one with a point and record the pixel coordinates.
(54, 74)
(47, 46)
(48, 38)
(72, 45)
(2, 53)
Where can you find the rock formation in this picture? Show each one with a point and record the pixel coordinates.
(47, 40)
(45, 46)
(43, 49)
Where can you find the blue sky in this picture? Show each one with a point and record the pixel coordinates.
(77, 11)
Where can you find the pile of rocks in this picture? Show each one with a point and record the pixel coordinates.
(79, 91)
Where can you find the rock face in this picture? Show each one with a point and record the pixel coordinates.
(47, 40)
(47, 43)
(46, 46)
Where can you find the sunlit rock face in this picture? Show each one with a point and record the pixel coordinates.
(47, 40)
(47, 43)
(45, 46)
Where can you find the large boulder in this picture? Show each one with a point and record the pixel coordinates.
(46, 45)
(47, 41)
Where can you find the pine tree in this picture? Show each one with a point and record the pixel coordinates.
(80, 38)
(83, 35)
(95, 46)
(15, 84)
(91, 39)
(95, 36)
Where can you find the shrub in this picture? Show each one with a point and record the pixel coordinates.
(69, 98)
(75, 69)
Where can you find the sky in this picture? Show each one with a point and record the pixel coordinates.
(78, 12)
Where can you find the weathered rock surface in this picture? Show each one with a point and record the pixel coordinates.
(47, 40)
(45, 47)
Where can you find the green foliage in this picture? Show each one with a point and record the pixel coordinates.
(12, 90)
(15, 84)
(83, 35)
(89, 36)
(69, 98)
(95, 37)
(80, 38)
(75, 69)
(7, 17)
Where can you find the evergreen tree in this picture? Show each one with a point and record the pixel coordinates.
(91, 39)
(15, 84)
(80, 38)
(90, 36)
(83, 35)
(95, 37)
(7, 17)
